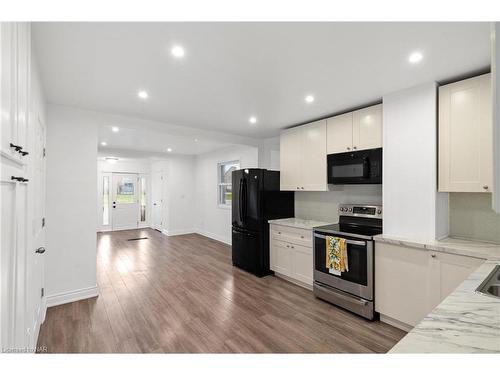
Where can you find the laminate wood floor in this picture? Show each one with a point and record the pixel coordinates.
(182, 294)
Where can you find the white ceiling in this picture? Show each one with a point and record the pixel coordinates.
(232, 71)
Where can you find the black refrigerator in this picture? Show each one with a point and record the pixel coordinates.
(256, 198)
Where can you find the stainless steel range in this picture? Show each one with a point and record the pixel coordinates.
(354, 288)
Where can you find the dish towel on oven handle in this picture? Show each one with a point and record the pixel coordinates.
(336, 255)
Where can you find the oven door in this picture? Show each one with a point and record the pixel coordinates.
(359, 279)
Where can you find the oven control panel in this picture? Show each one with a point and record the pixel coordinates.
(360, 210)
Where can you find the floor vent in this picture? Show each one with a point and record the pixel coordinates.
(137, 239)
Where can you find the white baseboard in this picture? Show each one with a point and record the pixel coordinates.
(293, 281)
(214, 236)
(177, 232)
(72, 296)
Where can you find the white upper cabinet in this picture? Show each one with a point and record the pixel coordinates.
(15, 70)
(303, 158)
(367, 128)
(358, 130)
(339, 134)
(466, 136)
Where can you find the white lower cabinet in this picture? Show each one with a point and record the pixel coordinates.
(410, 282)
(291, 253)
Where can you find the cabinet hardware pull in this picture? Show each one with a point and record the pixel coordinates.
(354, 148)
(348, 148)
(24, 153)
(20, 179)
(301, 236)
(485, 187)
(16, 147)
(433, 255)
(40, 250)
(24, 180)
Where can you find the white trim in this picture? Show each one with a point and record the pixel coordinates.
(177, 232)
(72, 296)
(213, 236)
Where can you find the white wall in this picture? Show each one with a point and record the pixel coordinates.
(410, 199)
(212, 220)
(495, 66)
(71, 197)
(269, 154)
(323, 205)
(125, 166)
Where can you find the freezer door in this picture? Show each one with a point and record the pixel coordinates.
(246, 248)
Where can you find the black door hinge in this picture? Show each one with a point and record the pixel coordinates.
(43, 292)
(44, 152)
(43, 222)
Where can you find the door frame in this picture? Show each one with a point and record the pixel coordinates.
(100, 190)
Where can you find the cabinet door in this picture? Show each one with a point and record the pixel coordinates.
(8, 103)
(339, 133)
(281, 255)
(302, 264)
(290, 144)
(23, 82)
(367, 128)
(313, 157)
(465, 136)
(448, 271)
(402, 283)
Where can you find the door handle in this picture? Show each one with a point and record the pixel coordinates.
(15, 147)
(40, 250)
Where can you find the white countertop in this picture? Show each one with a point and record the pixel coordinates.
(465, 322)
(296, 222)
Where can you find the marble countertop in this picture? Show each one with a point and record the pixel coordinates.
(477, 249)
(465, 321)
(298, 223)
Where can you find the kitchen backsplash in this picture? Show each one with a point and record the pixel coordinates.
(323, 205)
(471, 216)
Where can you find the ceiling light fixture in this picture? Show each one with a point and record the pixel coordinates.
(115, 129)
(196, 139)
(415, 57)
(309, 99)
(169, 149)
(177, 51)
(143, 94)
(111, 160)
(253, 120)
(104, 144)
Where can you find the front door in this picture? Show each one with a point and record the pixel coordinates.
(125, 201)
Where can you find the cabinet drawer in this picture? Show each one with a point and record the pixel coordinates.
(293, 235)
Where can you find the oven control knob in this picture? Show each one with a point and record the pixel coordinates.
(379, 211)
(350, 209)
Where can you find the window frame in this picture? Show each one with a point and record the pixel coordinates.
(220, 183)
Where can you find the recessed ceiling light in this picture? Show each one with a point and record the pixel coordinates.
(177, 51)
(115, 129)
(104, 144)
(415, 57)
(309, 99)
(196, 139)
(143, 94)
(253, 120)
(169, 149)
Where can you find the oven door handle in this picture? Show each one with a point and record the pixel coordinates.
(350, 242)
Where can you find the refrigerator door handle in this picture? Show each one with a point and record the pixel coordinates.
(240, 200)
(245, 210)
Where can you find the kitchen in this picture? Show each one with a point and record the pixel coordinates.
(413, 271)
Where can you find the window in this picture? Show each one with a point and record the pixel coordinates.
(224, 187)
(105, 200)
(143, 199)
(125, 190)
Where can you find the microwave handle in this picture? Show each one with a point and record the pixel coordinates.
(350, 242)
(366, 167)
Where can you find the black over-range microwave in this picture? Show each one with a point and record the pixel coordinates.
(357, 167)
